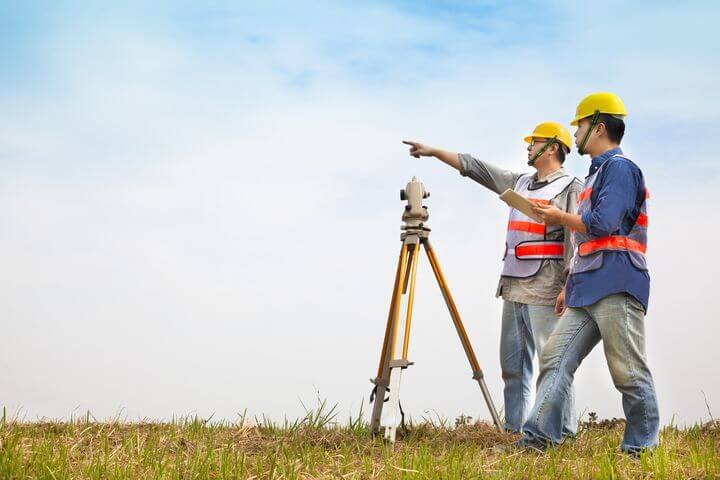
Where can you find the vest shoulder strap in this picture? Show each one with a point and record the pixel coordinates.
(522, 180)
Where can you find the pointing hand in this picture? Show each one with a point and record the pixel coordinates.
(418, 150)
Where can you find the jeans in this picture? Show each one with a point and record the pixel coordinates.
(525, 330)
(617, 320)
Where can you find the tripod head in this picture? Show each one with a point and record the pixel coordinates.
(415, 214)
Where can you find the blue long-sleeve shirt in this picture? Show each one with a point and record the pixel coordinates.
(616, 198)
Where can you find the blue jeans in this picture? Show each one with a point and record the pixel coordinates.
(525, 330)
(617, 320)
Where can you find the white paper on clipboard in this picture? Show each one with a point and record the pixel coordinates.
(517, 201)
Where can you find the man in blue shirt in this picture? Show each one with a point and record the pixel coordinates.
(606, 294)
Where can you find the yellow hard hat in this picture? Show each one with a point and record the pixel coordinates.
(551, 130)
(603, 102)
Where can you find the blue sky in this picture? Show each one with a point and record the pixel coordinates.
(233, 56)
(206, 190)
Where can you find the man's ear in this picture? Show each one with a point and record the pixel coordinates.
(600, 129)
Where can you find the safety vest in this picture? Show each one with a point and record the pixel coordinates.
(588, 250)
(528, 242)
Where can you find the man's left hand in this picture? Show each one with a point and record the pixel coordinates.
(549, 215)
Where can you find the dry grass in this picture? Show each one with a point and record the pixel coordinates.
(318, 447)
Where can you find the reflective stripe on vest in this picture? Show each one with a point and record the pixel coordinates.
(613, 242)
(532, 227)
(527, 244)
(589, 250)
(585, 194)
(540, 250)
(642, 220)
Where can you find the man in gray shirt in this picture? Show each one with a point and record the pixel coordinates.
(536, 261)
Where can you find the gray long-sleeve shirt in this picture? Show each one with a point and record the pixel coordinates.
(544, 287)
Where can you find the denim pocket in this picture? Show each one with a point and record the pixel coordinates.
(633, 303)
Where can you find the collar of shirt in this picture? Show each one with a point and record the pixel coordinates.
(539, 183)
(600, 159)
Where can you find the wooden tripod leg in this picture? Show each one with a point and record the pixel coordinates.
(477, 371)
(412, 269)
(383, 375)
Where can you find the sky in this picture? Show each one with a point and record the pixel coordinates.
(199, 210)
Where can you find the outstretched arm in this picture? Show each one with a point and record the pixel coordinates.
(418, 150)
(490, 176)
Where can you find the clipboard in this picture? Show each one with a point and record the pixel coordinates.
(517, 201)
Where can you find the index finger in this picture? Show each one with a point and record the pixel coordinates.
(408, 142)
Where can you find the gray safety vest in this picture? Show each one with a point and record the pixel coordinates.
(527, 244)
(588, 250)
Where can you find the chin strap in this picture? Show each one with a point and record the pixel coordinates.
(593, 122)
(547, 145)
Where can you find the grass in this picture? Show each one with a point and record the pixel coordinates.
(319, 445)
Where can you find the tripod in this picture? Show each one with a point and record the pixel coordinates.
(414, 234)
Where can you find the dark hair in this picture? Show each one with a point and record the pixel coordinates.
(614, 126)
(561, 152)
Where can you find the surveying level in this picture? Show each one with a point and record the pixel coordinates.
(414, 233)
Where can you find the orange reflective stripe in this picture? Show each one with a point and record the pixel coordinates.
(531, 227)
(642, 220)
(539, 201)
(611, 243)
(543, 249)
(585, 194)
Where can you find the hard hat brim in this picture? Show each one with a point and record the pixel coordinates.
(577, 119)
(529, 138)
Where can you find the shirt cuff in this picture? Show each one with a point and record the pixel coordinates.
(585, 217)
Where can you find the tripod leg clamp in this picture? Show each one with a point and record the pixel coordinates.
(479, 375)
(380, 382)
(400, 363)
